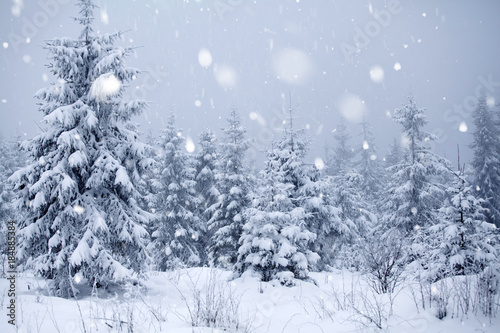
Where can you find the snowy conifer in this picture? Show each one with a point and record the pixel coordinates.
(346, 193)
(276, 240)
(206, 184)
(368, 166)
(463, 242)
(80, 186)
(395, 155)
(176, 233)
(227, 219)
(486, 162)
(413, 194)
(339, 159)
(11, 159)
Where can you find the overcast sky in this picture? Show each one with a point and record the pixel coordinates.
(335, 58)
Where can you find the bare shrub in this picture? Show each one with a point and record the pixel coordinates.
(384, 262)
(213, 304)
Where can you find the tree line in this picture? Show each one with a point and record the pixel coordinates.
(92, 199)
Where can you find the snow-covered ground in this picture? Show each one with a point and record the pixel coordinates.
(170, 301)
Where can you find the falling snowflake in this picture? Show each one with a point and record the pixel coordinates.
(104, 16)
(377, 74)
(292, 65)
(190, 147)
(319, 164)
(105, 86)
(78, 209)
(204, 58)
(490, 102)
(352, 108)
(78, 277)
(225, 76)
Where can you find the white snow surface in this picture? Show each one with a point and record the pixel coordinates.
(162, 301)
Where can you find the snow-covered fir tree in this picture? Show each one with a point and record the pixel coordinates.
(149, 185)
(226, 223)
(463, 243)
(339, 158)
(368, 165)
(413, 194)
(346, 193)
(395, 155)
(323, 217)
(276, 241)
(177, 231)
(486, 162)
(206, 184)
(79, 188)
(11, 159)
(355, 213)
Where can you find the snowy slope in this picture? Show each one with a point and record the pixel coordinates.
(167, 300)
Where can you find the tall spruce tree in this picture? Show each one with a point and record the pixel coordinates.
(177, 232)
(206, 184)
(79, 188)
(276, 241)
(486, 162)
(226, 223)
(346, 193)
(413, 194)
(11, 159)
(462, 242)
(339, 159)
(368, 165)
(395, 155)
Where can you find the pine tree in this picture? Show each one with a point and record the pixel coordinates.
(206, 184)
(413, 194)
(276, 240)
(486, 162)
(227, 219)
(80, 187)
(395, 155)
(176, 234)
(462, 240)
(11, 159)
(345, 188)
(339, 159)
(149, 185)
(368, 166)
(355, 212)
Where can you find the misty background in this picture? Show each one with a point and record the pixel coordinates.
(335, 58)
